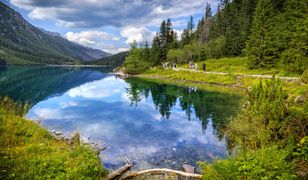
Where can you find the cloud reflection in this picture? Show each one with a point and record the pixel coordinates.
(101, 111)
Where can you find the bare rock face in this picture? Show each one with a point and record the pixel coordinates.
(189, 168)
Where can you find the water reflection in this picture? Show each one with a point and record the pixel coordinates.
(34, 83)
(153, 125)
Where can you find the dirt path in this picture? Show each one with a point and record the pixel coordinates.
(239, 75)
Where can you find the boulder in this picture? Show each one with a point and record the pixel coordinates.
(189, 168)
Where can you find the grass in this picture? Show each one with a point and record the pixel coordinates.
(191, 76)
(234, 66)
(30, 152)
(237, 65)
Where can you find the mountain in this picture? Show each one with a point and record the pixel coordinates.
(23, 43)
(113, 60)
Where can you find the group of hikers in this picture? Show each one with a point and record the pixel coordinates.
(195, 66)
(191, 65)
(172, 65)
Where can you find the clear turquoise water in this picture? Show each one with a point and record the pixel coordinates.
(152, 124)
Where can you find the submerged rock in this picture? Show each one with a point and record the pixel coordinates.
(58, 133)
(189, 168)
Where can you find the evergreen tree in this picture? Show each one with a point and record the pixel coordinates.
(187, 34)
(294, 57)
(263, 47)
(191, 25)
(146, 52)
(245, 20)
(216, 28)
(233, 36)
(155, 51)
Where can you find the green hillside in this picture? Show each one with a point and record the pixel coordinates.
(22, 43)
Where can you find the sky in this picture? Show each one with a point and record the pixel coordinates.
(109, 25)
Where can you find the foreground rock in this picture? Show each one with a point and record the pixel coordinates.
(188, 168)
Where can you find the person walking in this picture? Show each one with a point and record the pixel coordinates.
(204, 67)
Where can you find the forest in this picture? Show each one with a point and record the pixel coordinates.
(269, 33)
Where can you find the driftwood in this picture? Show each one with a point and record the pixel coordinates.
(121, 170)
(163, 170)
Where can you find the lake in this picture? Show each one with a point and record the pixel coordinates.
(153, 125)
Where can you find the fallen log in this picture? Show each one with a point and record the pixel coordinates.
(163, 170)
(121, 170)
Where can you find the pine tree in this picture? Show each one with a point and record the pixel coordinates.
(245, 20)
(191, 25)
(146, 52)
(187, 34)
(216, 28)
(233, 36)
(155, 51)
(295, 57)
(263, 48)
(163, 48)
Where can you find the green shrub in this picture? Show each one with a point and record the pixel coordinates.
(304, 76)
(266, 163)
(260, 120)
(293, 60)
(215, 48)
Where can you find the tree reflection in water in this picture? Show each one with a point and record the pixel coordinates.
(205, 104)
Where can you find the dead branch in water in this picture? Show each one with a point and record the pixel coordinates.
(121, 170)
(163, 170)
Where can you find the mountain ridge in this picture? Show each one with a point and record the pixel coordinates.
(23, 43)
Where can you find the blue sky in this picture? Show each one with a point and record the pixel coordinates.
(109, 25)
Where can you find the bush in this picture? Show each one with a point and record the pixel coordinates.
(135, 67)
(175, 55)
(266, 163)
(260, 120)
(215, 48)
(304, 76)
(293, 60)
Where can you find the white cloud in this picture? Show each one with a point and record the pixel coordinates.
(179, 33)
(118, 13)
(141, 34)
(96, 39)
(89, 37)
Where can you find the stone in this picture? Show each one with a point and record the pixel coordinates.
(189, 168)
(58, 133)
(299, 100)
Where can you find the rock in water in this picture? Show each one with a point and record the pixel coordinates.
(189, 168)
(58, 133)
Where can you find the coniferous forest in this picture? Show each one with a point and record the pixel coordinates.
(270, 33)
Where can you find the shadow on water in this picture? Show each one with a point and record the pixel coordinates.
(32, 84)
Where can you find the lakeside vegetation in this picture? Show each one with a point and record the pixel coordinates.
(29, 151)
(268, 138)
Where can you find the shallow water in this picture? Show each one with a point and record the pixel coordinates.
(153, 125)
